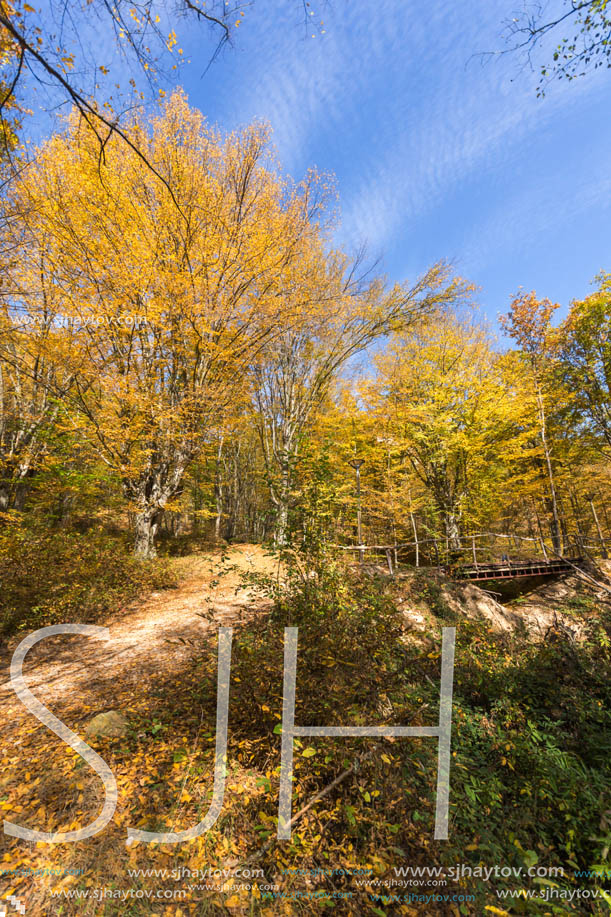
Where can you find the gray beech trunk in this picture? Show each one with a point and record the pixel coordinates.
(150, 493)
(5, 497)
(145, 529)
(452, 530)
(281, 497)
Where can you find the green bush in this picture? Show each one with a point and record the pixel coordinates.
(531, 762)
(53, 577)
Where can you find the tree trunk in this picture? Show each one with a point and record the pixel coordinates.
(20, 495)
(218, 492)
(13, 492)
(146, 524)
(5, 497)
(394, 547)
(415, 531)
(282, 497)
(282, 523)
(149, 495)
(566, 543)
(577, 515)
(196, 498)
(452, 530)
(603, 546)
(540, 527)
(555, 528)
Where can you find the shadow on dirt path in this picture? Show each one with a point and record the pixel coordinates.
(152, 636)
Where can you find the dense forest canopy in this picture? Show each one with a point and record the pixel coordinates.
(184, 343)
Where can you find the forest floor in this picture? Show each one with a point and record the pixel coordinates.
(165, 629)
(150, 643)
(148, 670)
(160, 632)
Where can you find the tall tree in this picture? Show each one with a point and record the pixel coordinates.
(341, 314)
(528, 322)
(166, 304)
(585, 363)
(450, 416)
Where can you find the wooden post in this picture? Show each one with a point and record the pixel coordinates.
(394, 541)
(415, 531)
(389, 562)
(474, 552)
(603, 546)
(541, 540)
(436, 553)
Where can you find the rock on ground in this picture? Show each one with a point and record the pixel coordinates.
(111, 724)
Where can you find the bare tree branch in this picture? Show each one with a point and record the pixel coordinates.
(586, 47)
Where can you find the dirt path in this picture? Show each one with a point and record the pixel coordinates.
(158, 634)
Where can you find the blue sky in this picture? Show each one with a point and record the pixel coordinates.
(437, 153)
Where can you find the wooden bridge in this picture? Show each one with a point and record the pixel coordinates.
(513, 569)
(478, 558)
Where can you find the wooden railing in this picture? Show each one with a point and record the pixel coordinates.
(478, 551)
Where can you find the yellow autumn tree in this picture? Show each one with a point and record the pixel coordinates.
(445, 419)
(35, 372)
(528, 322)
(164, 290)
(339, 315)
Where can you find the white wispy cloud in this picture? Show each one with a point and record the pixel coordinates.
(523, 223)
(391, 96)
(473, 119)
